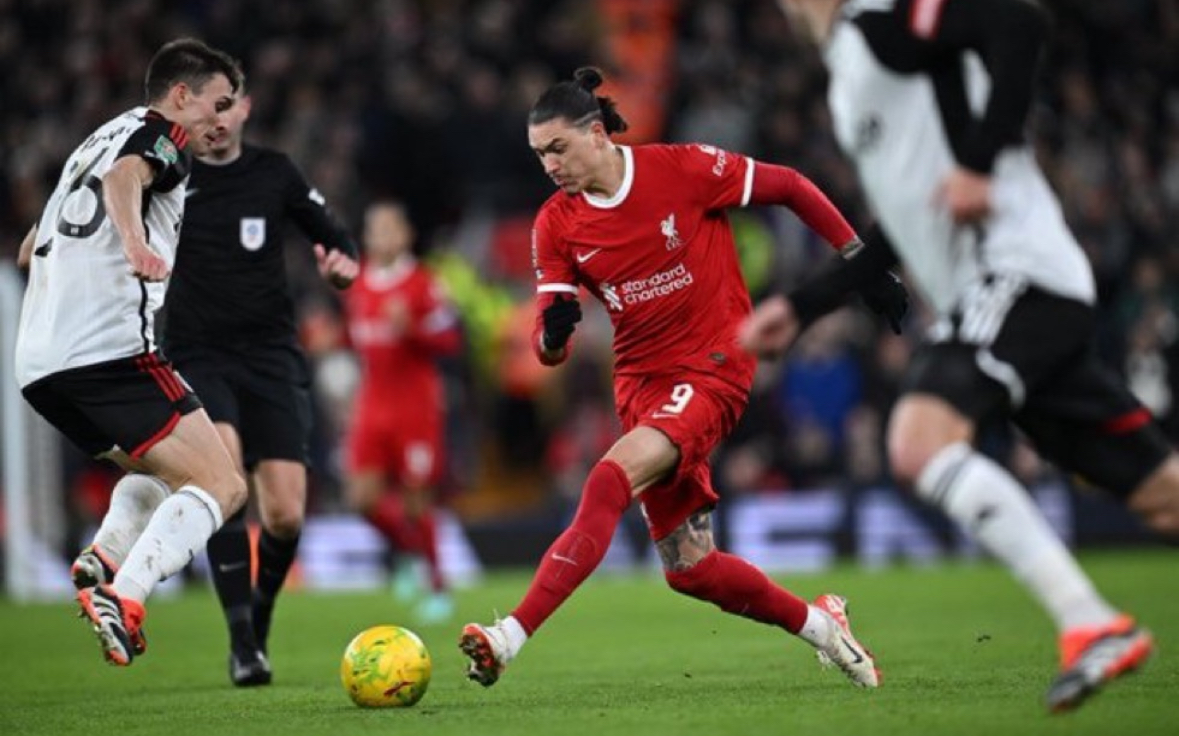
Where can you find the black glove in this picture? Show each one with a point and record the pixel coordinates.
(887, 296)
(559, 318)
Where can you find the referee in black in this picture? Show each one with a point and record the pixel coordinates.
(230, 331)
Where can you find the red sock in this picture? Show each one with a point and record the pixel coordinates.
(579, 549)
(388, 516)
(740, 588)
(428, 542)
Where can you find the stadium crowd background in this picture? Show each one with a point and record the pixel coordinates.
(426, 101)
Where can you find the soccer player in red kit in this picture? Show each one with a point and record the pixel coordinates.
(400, 323)
(643, 228)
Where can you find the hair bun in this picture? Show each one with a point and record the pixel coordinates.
(588, 78)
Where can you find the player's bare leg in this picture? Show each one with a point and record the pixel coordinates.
(1156, 500)
(695, 567)
(192, 461)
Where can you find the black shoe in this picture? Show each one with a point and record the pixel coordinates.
(249, 669)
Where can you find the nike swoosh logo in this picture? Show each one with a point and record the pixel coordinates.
(231, 566)
(859, 657)
(562, 558)
(190, 193)
(583, 257)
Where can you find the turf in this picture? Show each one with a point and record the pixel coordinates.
(963, 652)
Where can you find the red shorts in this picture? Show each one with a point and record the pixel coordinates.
(696, 412)
(407, 450)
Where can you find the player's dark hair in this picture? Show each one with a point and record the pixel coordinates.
(575, 101)
(190, 61)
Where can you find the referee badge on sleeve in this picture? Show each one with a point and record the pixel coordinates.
(253, 232)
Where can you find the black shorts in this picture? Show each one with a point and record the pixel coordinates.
(128, 404)
(263, 391)
(1040, 371)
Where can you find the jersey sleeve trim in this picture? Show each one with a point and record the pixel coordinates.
(747, 192)
(924, 18)
(557, 288)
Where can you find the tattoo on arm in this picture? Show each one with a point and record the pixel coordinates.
(688, 544)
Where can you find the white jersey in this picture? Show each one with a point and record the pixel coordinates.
(899, 135)
(82, 305)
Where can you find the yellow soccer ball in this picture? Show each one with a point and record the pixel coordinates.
(386, 666)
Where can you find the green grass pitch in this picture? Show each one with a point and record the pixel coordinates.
(963, 650)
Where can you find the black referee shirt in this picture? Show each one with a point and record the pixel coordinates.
(229, 283)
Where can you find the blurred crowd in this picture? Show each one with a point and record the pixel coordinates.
(426, 100)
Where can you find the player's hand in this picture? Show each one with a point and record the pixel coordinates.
(966, 194)
(559, 319)
(771, 329)
(887, 297)
(146, 264)
(336, 266)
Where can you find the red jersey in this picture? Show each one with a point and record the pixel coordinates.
(398, 366)
(660, 257)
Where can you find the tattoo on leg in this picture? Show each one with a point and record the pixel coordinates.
(688, 544)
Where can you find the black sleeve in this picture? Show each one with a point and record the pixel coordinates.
(843, 276)
(306, 206)
(156, 142)
(1008, 35)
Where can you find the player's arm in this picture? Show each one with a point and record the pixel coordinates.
(24, 256)
(336, 252)
(772, 327)
(882, 292)
(1009, 36)
(557, 308)
(154, 157)
(122, 196)
(784, 186)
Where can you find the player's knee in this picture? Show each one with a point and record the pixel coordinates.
(362, 497)
(920, 428)
(284, 523)
(1165, 523)
(907, 460)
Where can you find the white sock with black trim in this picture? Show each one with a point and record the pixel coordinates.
(991, 505)
(179, 528)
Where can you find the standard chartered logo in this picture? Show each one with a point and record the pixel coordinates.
(660, 284)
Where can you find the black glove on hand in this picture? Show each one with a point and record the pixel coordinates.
(887, 297)
(559, 318)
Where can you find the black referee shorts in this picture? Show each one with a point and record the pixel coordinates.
(262, 390)
(128, 404)
(1040, 371)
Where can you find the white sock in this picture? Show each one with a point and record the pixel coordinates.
(133, 501)
(997, 512)
(515, 634)
(817, 629)
(179, 528)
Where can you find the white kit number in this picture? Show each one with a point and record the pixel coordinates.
(681, 394)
